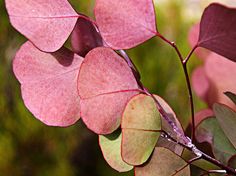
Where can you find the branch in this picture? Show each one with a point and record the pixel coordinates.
(184, 66)
(185, 142)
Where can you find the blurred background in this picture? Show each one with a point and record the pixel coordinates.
(28, 147)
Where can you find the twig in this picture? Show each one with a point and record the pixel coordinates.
(184, 66)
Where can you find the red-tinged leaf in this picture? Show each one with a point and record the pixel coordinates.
(210, 131)
(221, 75)
(45, 23)
(227, 120)
(85, 37)
(164, 163)
(125, 23)
(167, 128)
(106, 83)
(49, 84)
(217, 30)
(200, 83)
(111, 149)
(141, 125)
(193, 36)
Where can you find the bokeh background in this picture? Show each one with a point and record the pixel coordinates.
(30, 148)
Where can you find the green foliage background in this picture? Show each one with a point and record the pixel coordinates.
(28, 147)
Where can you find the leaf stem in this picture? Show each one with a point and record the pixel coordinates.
(204, 156)
(190, 54)
(185, 142)
(184, 66)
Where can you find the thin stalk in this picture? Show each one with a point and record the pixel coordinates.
(204, 156)
(184, 66)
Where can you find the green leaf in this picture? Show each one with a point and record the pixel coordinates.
(232, 96)
(227, 120)
(163, 163)
(141, 125)
(210, 131)
(111, 149)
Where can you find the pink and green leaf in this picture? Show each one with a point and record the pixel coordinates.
(141, 125)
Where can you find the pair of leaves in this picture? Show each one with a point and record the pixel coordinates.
(141, 127)
(50, 86)
(42, 22)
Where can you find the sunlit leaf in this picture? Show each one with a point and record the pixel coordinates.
(232, 96)
(227, 120)
(140, 125)
(111, 149)
(105, 84)
(46, 23)
(49, 84)
(85, 37)
(210, 131)
(125, 23)
(217, 30)
(163, 163)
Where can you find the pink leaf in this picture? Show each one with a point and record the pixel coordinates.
(193, 36)
(221, 75)
(45, 23)
(217, 30)
(125, 23)
(85, 37)
(200, 83)
(105, 85)
(49, 84)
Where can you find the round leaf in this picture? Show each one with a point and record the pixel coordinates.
(111, 149)
(140, 125)
(125, 23)
(46, 23)
(49, 84)
(105, 85)
(217, 30)
(165, 163)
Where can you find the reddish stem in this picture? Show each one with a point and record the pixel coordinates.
(184, 65)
